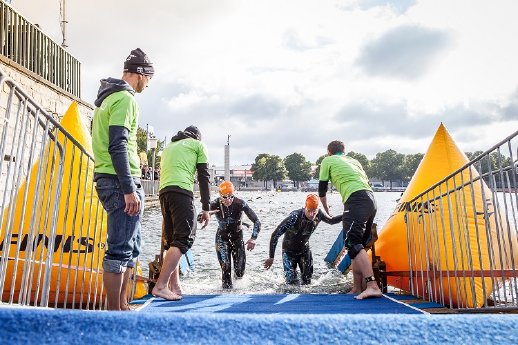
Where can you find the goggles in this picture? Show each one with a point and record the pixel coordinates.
(227, 196)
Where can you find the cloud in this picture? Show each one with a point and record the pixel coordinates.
(290, 76)
(256, 106)
(376, 120)
(510, 111)
(406, 52)
(399, 6)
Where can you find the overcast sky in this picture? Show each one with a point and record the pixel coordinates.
(290, 76)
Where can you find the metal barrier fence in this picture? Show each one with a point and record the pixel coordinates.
(150, 187)
(462, 232)
(52, 232)
(25, 44)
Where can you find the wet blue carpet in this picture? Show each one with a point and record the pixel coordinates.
(44, 326)
(279, 304)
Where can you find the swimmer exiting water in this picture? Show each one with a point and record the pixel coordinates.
(229, 236)
(297, 228)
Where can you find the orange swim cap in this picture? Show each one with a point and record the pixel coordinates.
(226, 187)
(312, 201)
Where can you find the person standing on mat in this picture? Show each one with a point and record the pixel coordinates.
(185, 155)
(117, 172)
(349, 178)
(297, 228)
(229, 236)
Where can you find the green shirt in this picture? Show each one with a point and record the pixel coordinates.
(345, 173)
(178, 163)
(118, 109)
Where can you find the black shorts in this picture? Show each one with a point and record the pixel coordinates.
(179, 220)
(359, 212)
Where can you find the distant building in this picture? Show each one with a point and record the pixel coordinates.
(240, 176)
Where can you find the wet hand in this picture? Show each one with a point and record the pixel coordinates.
(268, 263)
(250, 244)
(204, 218)
(132, 202)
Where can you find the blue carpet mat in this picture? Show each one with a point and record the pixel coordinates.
(279, 304)
(56, 327)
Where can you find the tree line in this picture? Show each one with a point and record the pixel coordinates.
(388, 166)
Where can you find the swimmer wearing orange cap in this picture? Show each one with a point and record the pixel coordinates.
(229, 236)
(297, 228)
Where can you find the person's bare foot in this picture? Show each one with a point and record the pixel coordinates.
(176, 289)
(126, 307)
(370, 292)
(165, 293)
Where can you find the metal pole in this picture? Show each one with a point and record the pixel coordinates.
(64, 23)
(153, 173)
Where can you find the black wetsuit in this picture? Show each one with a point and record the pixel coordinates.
(297, 230)
(229, 237)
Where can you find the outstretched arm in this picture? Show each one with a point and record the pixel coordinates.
(279, 231)
(330, 220)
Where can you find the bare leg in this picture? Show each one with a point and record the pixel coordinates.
(112, 285)
(174, 282)
(358, 282)
(364, 265)
(124, 305)
(170, 264)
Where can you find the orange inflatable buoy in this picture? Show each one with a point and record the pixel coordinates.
(66, 228)
(453, 235)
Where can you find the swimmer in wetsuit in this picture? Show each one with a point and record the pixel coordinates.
(297, 228)
(229, 236)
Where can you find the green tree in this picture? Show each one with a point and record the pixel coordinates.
(259, 168)
(275, 169)
(317, 170)
(388, 166)
(473, 155)
(492, 167)
(364, 161)
(410, 164)
(299, 169)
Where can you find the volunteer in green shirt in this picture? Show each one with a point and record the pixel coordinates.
(182, 158)
(349, 178)
(117, 172)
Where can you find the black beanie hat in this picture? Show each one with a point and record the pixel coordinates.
(193, 132)
(138, 62)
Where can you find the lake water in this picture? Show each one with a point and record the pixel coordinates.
(271, 208)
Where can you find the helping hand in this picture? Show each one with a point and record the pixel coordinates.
(250, 244)
(204, 218)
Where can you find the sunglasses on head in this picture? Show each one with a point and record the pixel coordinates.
(227, 197)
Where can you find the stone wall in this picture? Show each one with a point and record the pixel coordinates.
(51, 98)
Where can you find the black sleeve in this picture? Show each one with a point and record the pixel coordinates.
(253, 217)
(118, 142)
(326, 219)
(281, 229)
(203, 180)
(322, 188)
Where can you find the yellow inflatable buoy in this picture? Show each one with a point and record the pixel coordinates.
(66, 228)
(453, 238)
